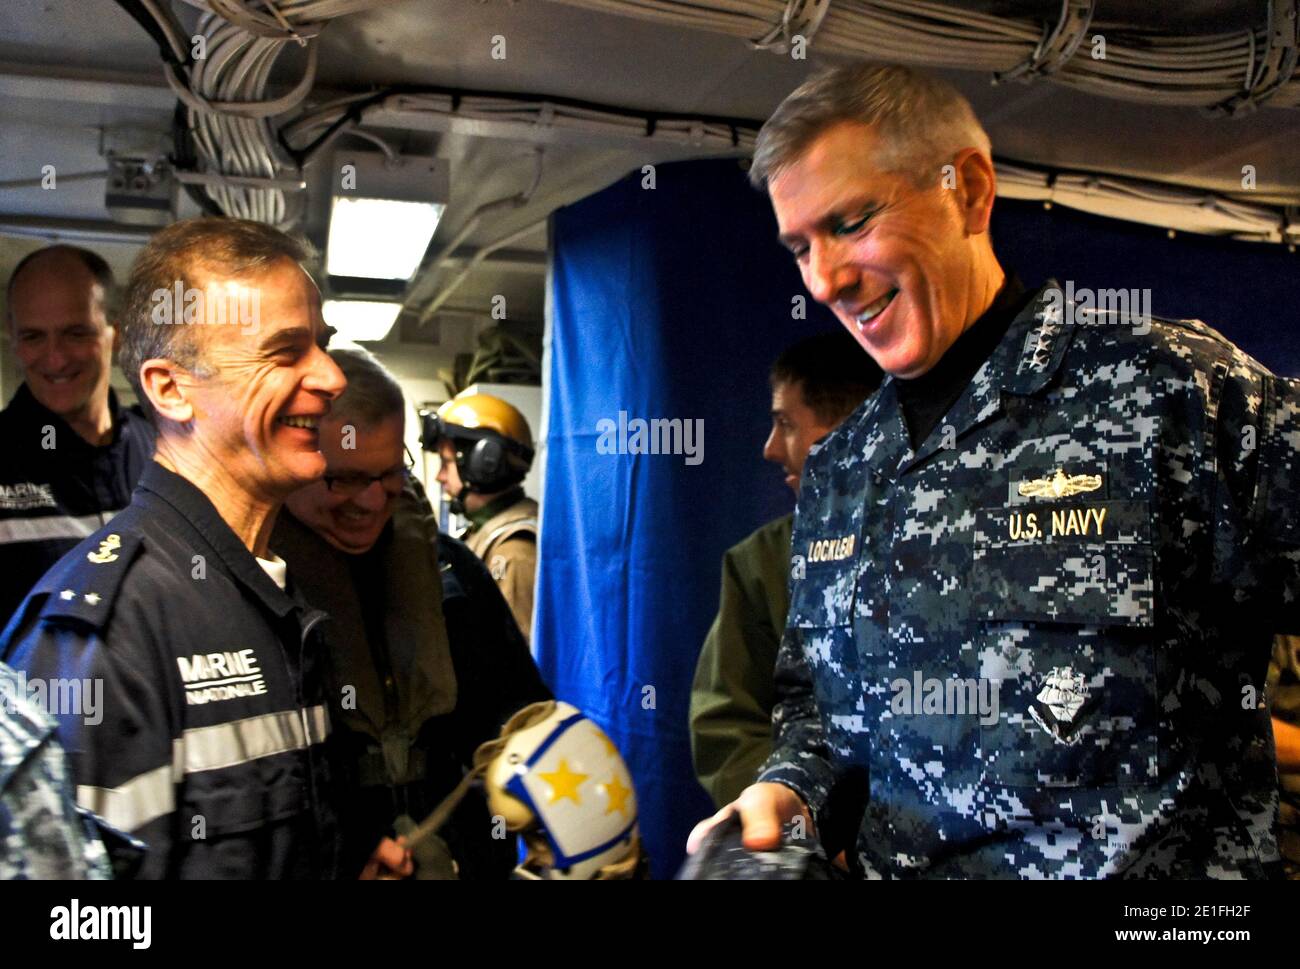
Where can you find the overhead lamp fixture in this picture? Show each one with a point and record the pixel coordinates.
(383, 214)
(360, 320)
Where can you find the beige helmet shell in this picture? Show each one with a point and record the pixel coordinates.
(563, 778)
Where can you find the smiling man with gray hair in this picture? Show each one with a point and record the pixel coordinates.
(211, 744)
(1095, 515)
(425, 658)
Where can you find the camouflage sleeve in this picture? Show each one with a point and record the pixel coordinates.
(800, 758)
(118, 740)
(42, 833)
(731, 698)
(1257, 535)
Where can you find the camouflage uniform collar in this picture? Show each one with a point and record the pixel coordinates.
(1025, 360)
(1023, 363)
(1035, 344)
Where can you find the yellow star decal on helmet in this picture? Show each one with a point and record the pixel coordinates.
(617, 794)
(564, 782)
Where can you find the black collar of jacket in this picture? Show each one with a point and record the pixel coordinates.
(195, 508)
(31, 412)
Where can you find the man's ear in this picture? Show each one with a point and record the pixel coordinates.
(167, 394)
(977, 185)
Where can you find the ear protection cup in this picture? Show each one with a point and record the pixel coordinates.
(485, 463)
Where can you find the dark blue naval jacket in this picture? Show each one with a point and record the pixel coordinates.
(208, 744)
(1037, 645)
(55, 488)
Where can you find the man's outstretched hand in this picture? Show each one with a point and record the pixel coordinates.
(764, 809)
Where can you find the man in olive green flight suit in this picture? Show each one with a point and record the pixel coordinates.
(1284, 704)
(815, 384)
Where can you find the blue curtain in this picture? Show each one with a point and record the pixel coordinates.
(669, 302)
(672, 302)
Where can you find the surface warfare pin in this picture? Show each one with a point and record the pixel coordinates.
(1063, 695)
(1059, 485)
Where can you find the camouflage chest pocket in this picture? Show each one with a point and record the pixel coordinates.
(821, 617)
(1062, 595)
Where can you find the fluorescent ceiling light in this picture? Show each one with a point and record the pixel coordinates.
(360, 321)
(379, 238)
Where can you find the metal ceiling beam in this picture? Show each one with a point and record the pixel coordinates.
(518, 260)
(80, 86)
(632, 140)
(82, 230)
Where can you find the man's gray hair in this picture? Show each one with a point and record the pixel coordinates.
(922, 121)
(95, 264)
(189, 253)
(373, 394)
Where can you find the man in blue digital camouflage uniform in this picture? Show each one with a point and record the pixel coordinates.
(42, 833)
(1038, 574)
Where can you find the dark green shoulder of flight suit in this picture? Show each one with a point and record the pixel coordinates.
(733, 694)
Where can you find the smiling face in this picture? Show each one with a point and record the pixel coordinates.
(62, 338)
(350, 519)
(795, 429)
(904, 269)
(259, 412)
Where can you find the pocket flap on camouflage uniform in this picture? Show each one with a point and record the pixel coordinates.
(1068, 561)
(824, 597)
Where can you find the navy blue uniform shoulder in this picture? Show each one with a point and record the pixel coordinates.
(84, 584)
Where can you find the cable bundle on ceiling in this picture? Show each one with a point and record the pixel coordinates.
(224, 92)
(229, 115)
(1231, 71)
(532, 114)
(1124, 198)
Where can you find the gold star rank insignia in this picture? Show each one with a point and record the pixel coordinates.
(564, 782)
(1059, 485)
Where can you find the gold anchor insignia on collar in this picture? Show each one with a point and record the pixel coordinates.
(1059, 485)
(107, 550)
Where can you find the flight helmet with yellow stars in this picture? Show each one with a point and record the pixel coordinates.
(559, 781)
